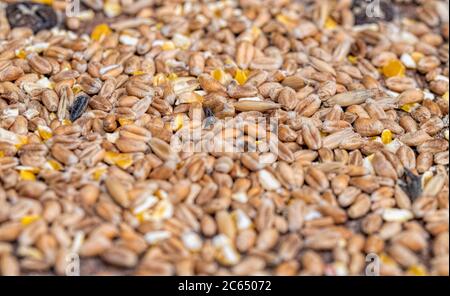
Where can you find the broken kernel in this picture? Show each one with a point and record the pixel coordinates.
(240, 76)
(100, 31)
(138, 72)
(393, 68)
(386, 136)
(445, 96)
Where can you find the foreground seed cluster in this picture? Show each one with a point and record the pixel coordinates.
(96, 110)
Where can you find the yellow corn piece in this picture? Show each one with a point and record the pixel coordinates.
(255, 32)
(240, 76)
(46, 2)
(76, 89)
(138, 72)
(98, 173)
(112, 9)
(417, 270)
(393, 68)
(21, 54)
(445, 96)
(161, 194)
(352, 59)
(370, 157)
(386, 136)
(168, 45)
(408, 107)
(172, 76)
(27, 175)
(417, 56)
(122, 160)
(66, 122)
(140, 217)
(22, 141)
(100, 31)
(2, 153)
(28, 219)
(178, 122)
(218, 74)
(330, 24)
(385, 259)
(44, 132)
(159, 79)
(285, 20)
(125, 121)
(54, 165)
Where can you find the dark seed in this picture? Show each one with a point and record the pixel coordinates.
(78, 107)
(210, 119)
(411, 184)
(32, 15)
(373, 11)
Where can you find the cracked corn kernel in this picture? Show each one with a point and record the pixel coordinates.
(409, 107)
(285, 20)
(28, 219)
(98, 173)
(417, 56)
(172, 76)
(53, 165)
(76, 89)
(112, 8)
(122, 160)
(386, 136)
(240, 76)
(445, 96)
(2, 153)
(44, 132)
(46, 2)
(385, 259)
(393, 68)
(218, 74)
(330, 24)
(178, 122)
(27, 175)
(66, 122)
(352, 59)
(22, 140)
(159, 79)
(138, 72)
(21, 54)
(168, 45)
(100, 31)
(416, 270)
(125, 121)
